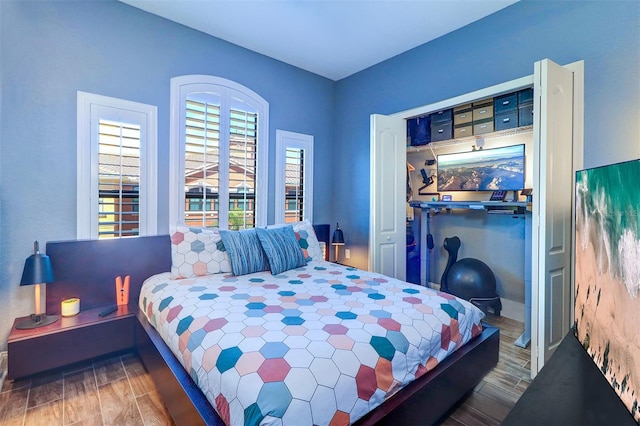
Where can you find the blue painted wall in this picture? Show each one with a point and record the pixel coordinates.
(498, 48)
(50, 50)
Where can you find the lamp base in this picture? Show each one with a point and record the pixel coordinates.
(37, 320)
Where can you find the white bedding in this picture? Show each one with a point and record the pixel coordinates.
(319, 344)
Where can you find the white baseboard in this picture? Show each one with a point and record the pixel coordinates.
(512, 309)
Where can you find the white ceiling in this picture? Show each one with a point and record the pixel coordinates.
(332, 38)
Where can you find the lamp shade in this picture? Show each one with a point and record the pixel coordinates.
(338, 236)
(37, 268)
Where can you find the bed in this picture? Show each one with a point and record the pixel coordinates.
(321, 343)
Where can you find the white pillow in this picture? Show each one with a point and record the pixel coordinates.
(197, 252)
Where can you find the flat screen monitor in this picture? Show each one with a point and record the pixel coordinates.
(482, 170)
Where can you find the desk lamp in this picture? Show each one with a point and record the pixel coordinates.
(37, 270)
(338, 239)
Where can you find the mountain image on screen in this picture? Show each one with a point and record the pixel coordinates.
(482, 170)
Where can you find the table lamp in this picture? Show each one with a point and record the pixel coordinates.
(338, 239)
(37, 270)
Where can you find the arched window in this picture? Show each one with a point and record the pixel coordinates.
(219, 154)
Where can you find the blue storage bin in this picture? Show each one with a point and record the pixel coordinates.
(419, 131)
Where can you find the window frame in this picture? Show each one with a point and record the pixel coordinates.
(90, 108)
(286, 139)
(183, 86)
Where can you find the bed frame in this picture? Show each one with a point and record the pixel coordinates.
(87, 269)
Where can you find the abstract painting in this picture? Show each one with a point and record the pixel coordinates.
(607, 274)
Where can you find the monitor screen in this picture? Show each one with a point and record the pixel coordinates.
(482, 170)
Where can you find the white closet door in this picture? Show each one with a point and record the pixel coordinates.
(387, 230)
(553, 209)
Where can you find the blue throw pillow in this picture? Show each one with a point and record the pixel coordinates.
(282, 249)
(245, 251)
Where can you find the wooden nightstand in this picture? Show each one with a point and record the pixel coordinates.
(68, 340)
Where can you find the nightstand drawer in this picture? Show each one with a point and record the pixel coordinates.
(69, 340)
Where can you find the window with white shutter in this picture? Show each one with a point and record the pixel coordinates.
(117, 171)
(294, 185)
(294, 177)
(219, 147)
(118, 179)
(201, 162)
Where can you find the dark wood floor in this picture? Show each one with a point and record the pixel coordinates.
(118, 391)
(494, 396)
(114, 391)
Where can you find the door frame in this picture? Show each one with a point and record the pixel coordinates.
(578, 153)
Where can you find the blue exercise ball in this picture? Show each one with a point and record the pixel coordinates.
(471, 278)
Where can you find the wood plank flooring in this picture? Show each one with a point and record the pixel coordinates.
(112, 391)
(119, 391)
(497, 393)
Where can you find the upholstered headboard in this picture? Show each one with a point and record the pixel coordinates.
(88, 268)
(322, 232)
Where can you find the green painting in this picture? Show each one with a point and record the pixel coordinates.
(607, 274)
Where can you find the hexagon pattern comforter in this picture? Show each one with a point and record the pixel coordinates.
(322, 344)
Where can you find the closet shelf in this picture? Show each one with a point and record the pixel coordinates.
(470, 139)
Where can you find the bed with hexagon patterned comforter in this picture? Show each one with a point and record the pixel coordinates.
(320, 344)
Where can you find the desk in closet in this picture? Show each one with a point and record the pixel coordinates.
(491, 207)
